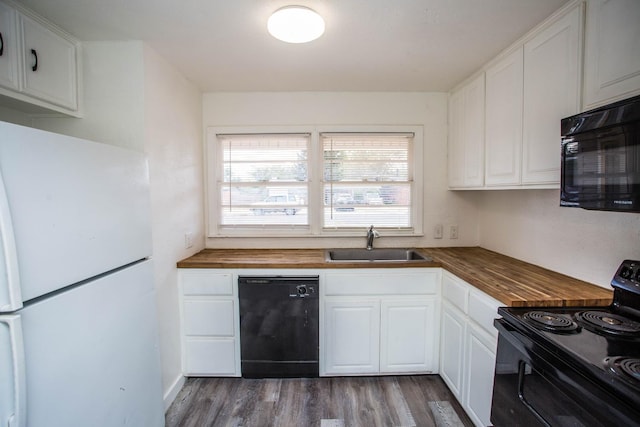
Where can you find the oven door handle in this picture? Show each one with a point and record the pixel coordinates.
(521, 375)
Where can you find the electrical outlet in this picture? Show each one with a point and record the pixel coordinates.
(188, 240)
(453, 232)
(437, 231)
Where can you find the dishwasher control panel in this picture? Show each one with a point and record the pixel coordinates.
(302, 291)
(289, 286)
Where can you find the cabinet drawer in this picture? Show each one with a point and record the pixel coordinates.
(372, 282)
(455, 291)
(204, 356)
(202, 282)
(209, 317)
(483, 310)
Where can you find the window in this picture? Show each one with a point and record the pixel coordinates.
(367, 180)
(264, 180)
(314, 182)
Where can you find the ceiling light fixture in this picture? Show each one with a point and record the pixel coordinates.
(295, 24)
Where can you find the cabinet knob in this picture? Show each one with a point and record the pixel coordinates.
(34, 67)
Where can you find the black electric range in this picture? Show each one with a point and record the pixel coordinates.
(571, 366)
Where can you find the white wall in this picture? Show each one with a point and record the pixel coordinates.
(135, 99)
(357, 108)
(113, 96)
(173, 123)
(531, 226)
(13, 116)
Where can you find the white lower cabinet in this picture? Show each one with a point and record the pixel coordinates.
(479, 368)
(209, 356)
(468, 346)
(380, 322)
(209, 311)
(453, 329)
(352, 340)
(372, 322)
(406, 340)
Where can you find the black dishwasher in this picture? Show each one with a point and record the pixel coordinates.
(279, 326)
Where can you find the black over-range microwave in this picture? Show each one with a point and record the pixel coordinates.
(601, 158)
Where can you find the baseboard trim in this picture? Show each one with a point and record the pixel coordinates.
(173, 391)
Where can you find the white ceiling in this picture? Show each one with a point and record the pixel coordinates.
(368, 45)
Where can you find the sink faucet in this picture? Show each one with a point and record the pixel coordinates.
(371, 234)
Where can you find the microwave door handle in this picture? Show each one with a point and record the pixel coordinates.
(10, 295)
(521, 376)
(13, 412)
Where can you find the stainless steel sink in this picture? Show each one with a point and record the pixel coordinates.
(374, 255)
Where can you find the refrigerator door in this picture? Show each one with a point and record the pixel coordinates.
(92, 356)
(78, 208)
(10, 294)
(12, 375)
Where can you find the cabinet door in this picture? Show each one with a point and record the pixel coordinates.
(455, 152)
(503, 134)
(474, 103)
(9, 48)
(408, 331)
(612, 54)
(351, 337)
(551, 92)
(49, 65)
(466, 135)
(478, 378)
(452, 338)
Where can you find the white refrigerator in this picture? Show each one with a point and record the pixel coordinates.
(78, 327)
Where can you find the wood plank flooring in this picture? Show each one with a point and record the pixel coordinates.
(319, 402)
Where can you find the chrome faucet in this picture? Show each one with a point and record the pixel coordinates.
(371, 234)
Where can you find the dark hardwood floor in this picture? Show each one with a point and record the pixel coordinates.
(418, 400)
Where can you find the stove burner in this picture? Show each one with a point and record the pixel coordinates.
(551, 322)
(602, 321)
(627, 367)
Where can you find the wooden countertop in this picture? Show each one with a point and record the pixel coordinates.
(511, 281)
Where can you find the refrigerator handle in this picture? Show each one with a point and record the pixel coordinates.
(11, 338)
(10, 296)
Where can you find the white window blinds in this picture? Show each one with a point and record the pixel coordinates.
(264, 180)
(367, 179)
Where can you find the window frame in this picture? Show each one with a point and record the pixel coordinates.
(213, 172)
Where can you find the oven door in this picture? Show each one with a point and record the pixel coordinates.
(532, 387)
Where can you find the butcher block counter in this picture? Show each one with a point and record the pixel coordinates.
(513, 282)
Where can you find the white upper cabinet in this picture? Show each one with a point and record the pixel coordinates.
(455, 146)
(50, 64)
(524, 94)
(504, 120)
(8, 48)
(38, 64)
(612, 54)
(551, 92)
(466, 137)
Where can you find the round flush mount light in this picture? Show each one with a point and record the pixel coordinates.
(295, 24)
